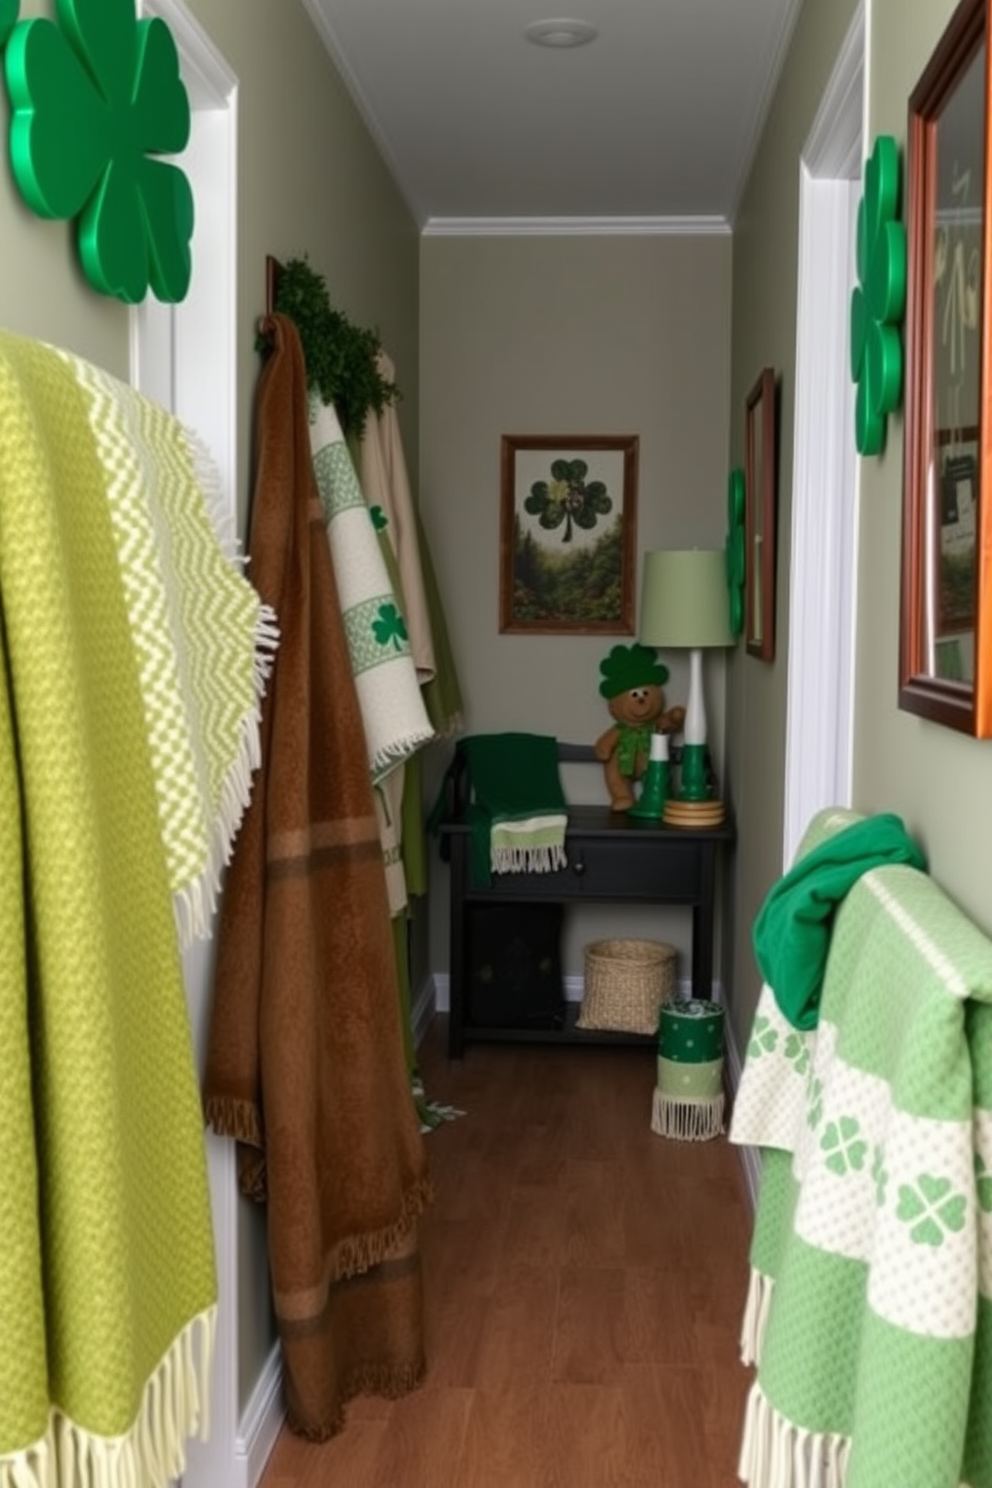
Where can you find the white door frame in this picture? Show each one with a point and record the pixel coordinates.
(185, 357)
(823, 565)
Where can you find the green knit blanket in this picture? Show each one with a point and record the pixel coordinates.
(517, 814)
(128, 721)
(869, 1313)
(792, 929)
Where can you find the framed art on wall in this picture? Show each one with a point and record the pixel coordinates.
(760, 481)
(567, 533)
(945, 658)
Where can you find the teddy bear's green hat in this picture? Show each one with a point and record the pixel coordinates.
(631, 666)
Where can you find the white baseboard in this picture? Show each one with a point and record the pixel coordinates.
(442, 986)
(424, 1007)
(261, 1420)
(438, 986)
(574, 988)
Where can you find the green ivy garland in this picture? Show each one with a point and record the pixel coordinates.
(341, 358)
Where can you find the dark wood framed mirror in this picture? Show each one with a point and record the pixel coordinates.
(760, 479)
(945, 661)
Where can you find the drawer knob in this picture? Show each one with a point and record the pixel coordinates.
(579, 866)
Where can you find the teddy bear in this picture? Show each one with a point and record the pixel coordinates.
(632, 683)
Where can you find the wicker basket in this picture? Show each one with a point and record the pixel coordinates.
(626, 983)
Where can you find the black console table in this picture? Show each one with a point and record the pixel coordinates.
(611, 856)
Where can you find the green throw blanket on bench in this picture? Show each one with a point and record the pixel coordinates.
(518, 815)
(869, 1314)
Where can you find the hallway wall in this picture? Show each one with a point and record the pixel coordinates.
(310, 182)
(558, 335)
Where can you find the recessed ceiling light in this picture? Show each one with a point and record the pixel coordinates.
(561, 33)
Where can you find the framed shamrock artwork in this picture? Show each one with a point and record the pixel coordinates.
(568, 533)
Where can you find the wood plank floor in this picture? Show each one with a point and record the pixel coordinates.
(584, 1287)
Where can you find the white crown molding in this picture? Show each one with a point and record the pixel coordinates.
(580, 227)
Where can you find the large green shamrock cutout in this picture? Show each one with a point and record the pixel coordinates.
(735, 550)
(93, 103)
(878, 301)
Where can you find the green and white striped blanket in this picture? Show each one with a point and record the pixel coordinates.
(869, 1314)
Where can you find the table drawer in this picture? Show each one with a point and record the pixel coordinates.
(628, 869)
(562, 884)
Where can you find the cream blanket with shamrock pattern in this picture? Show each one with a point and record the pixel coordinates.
(393, 712)
(128, 725)
(870, 1307)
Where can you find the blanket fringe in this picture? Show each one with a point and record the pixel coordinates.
(397, 752)
(32, 1468)
(361, 1252)
(215, 497)
(528, 859)
(687, 1120)
(756, 1309)
(777, 1454)
(228, 1117)
(195, 904)
(390, 1384)
(174, 1407)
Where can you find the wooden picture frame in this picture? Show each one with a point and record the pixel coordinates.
(945, 650)
(760, 481)
(568, 526)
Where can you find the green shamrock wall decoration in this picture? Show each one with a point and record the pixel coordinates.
(96, 97)
(879, 299)
(9, 10)
(735, 549)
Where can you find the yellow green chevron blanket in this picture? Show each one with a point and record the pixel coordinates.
(107, 1285)
(869, 1314)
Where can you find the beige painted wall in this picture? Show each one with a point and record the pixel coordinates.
(766, 250)
(938, 780)
(309, 182)
(567, 335)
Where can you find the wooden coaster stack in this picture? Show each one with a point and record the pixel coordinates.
(692, 813)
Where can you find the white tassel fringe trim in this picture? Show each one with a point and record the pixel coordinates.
(777, 1454)
(756, 1309)
(174, 1407)
(195, 903)
(687, 1120)
(392, 755)
(528, 859)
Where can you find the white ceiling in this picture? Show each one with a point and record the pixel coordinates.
(652, 124)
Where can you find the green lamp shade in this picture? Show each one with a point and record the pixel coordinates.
(684, 599)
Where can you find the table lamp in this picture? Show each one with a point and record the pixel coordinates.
(685, 602)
